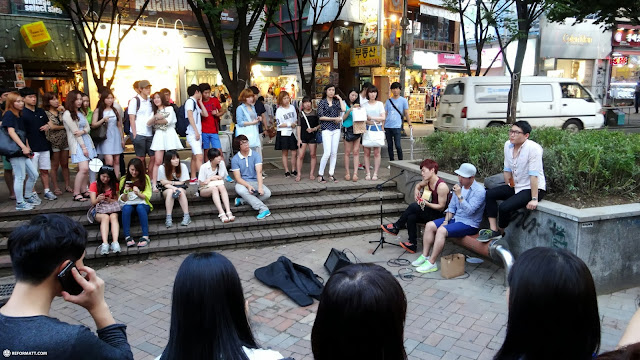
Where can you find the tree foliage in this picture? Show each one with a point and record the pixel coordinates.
(87, 17)
(220, 37)
(302, 41)
(602, 11)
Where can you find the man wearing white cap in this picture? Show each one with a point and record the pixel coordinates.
(462, 218)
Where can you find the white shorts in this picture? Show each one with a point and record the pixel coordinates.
(196, 145)
(42, 160)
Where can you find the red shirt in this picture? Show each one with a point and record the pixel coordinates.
(108, 194)
(210, 123)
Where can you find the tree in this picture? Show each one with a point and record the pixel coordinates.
(528, 11)
(303, 40)
(235, 76)
(608, 12)
(87, 17)
(486, 17)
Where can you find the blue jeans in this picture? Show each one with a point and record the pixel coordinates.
(143, 211)
(393, 136)
(22, 167)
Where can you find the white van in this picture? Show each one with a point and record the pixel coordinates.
(479, 102)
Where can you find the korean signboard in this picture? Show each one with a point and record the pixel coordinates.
(368, 56)
(626, 35)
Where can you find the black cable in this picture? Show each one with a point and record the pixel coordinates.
(345, 250)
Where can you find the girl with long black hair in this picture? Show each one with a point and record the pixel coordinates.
(104, 195)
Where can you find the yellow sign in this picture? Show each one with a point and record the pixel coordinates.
(368, 56)
(35, 34)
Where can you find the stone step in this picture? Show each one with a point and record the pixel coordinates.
(306, 190)
(205, 207)
(257, 237)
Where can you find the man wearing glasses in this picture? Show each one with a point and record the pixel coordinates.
(524, 181)
(246, 167)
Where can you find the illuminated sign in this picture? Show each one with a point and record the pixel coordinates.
(619, 60)
(35, 34)
(627, 35)
(577, 39)
(368, 55)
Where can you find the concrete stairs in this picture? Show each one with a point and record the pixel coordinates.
(300, 211)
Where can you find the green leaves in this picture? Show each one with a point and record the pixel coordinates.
(596, 163)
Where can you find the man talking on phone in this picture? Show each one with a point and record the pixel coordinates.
(41, 252)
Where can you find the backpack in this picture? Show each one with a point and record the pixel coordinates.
(126, 122)
(183, 120)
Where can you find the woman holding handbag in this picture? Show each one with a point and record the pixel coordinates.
(307, 129)
(107, 119)
(14, 127)
(351, 140)
(57, 136)
(173, 181)
(165, 137)
(80, 144)
(285, 139)
(375, 123)
(329, 109)
(104, 196)
(211, 178)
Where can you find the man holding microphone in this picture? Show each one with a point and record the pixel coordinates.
(462, 218)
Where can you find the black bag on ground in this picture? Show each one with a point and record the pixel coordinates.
(300, 283)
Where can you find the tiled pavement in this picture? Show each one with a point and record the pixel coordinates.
(446, 319)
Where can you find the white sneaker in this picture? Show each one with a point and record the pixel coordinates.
(427, 267)
(419, 261)
(115, 247)
(104, 249)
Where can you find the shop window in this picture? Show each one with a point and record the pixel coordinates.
(492, 93)
(536, 93)
(273, 44)
(575, 91)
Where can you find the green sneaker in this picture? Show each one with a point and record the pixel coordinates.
(427, 267)
(419, 261)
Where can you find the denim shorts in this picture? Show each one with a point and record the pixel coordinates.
(211, 141)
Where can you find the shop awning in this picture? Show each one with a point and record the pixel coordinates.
(272, 63)
(271, 58)
(454, 68)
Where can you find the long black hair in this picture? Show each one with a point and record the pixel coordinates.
(324, 92)
(553, 310)
(141, 181)
(361, 315)
(168, 167)
(208, 318)
(348, 101)
(112, 183)
(102, 106)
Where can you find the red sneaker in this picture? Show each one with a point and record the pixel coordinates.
(411, 248)
(390, 229)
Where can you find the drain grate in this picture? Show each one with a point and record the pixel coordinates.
(6, 290)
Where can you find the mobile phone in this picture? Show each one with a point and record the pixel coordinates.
(68, 282)
(254, 192)
(128, 182)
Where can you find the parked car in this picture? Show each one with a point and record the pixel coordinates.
(479, 102)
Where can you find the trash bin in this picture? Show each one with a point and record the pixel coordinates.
(615, 117)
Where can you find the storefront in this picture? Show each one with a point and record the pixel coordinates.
(625, 64)
(576, 51)
(41, 53)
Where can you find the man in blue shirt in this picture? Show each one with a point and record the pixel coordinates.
(462, 218)
(40, 251)
(246, 166)
(397, 109)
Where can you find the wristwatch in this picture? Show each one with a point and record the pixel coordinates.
(534, 198)
(460, 197)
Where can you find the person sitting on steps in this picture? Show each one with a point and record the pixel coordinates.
(431, 200)
(524, 181)
(246, 167)
(462, 218)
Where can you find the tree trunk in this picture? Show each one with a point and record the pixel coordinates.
(515, 79)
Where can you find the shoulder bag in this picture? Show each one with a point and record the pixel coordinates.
(373, 138)
(318, 132)
(8, 147)
(99, 134)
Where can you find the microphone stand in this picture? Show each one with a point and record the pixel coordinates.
(379, 188)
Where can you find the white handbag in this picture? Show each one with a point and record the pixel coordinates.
(359, 114)
(372, 138)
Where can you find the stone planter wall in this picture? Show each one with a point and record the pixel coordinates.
(606, 238)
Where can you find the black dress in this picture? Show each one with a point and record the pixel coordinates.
(312, 117)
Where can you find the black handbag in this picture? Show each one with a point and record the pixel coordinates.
(349, 135)
(8, 147)
(99, 134)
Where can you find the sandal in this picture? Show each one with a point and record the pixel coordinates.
(368, 177)
(375, 177)
(68, 189)
(230, 216)
(12, 197)
(321, 179)
(80, 198)
(332, 179)
(144, 240)
(57, 192)
(223, 217)
(354, 178)
(130, 242)
(298, 178)
(86, 194)
(287, 174)
(311, 177)
(347, 177)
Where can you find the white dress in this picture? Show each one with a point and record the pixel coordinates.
(167, 139)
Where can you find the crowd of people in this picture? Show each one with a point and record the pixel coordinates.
(553, 309)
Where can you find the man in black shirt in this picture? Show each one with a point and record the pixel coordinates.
(40, 251)
(37, 123)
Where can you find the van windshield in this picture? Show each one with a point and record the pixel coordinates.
(575, 91)
(453, 89)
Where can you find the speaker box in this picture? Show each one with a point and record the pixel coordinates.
(337, 259)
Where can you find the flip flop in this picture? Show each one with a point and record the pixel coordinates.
(57, 192)
(68, 189)
(79, 198)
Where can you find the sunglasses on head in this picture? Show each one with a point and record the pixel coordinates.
(107, 167)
